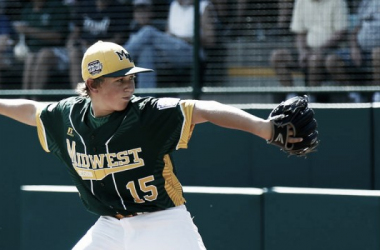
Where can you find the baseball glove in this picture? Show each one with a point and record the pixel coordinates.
(294, 114)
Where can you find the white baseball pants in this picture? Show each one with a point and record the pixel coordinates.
(170, 229)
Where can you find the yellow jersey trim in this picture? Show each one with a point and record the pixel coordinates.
(172, 185)
(41, 131)
(187, 107)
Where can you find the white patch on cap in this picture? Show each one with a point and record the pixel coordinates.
(94, 67)
(165, 103)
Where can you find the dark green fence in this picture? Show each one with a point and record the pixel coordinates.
(346, 159)
(227, 218)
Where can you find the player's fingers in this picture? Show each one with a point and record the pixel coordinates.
(295, 139)
(290, 131)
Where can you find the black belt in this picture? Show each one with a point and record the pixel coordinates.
(120, 216)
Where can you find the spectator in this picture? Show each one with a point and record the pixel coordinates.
(285, 9)
(260, 19)
(95, 20)
(255, 15)
(45, 26)
(13, 8)
(143, 14)
(174, 48)
(320, 27)
(7, 60)
(226, 13)
(160, 8)
(362, 58)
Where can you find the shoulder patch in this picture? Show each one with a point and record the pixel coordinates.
(167, 102)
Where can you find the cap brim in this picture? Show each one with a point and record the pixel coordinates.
(128, 71)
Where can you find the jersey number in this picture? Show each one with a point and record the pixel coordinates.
(151, 189)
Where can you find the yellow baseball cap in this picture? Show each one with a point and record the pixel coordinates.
(108, 59)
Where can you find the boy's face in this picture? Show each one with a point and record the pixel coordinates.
(113, 94)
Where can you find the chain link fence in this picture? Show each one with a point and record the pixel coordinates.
(245, 50)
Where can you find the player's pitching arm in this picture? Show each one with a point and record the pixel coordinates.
(234, 118)
(21, 110)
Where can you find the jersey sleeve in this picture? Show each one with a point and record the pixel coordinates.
(187, 108)
(41, 131)
(167, 121)
(49, 125)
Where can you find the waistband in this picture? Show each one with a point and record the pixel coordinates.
(121, 216)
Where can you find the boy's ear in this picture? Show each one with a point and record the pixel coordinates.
(90, 85)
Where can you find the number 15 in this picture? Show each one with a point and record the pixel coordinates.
(151, 189)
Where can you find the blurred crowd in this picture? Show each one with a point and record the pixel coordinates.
(329, 42)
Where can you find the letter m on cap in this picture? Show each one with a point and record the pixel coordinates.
(123, 55)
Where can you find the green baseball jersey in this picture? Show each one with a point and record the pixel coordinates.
(123, 166)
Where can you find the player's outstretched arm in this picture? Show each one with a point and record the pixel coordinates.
(230, 117)
(21, 110)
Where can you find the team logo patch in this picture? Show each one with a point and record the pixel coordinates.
(165, 103)
(95, 67)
